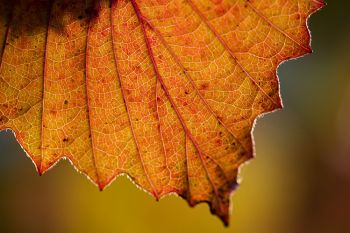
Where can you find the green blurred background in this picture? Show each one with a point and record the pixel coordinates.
(299, 181)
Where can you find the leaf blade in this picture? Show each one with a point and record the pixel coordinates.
(166, 92)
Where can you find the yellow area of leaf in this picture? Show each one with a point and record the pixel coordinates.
(166, 91)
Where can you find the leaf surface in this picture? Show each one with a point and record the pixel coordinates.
(166, 92)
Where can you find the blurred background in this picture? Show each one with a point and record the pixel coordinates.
(299, 181)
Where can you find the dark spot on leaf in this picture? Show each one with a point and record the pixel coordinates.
(204, 86)
(3, 119)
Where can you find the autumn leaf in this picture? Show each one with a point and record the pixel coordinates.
(166, 92)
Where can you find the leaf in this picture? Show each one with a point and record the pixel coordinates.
(166, 92)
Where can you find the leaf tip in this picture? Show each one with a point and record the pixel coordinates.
(101, 187)
(156, 195)
(40, 173)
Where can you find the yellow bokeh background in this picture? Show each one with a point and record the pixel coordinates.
(298, 182)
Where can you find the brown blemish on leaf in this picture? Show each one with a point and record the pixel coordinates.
(204, 86)
(3, 120)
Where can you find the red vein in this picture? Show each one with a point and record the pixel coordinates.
(10, 18)
(261, 15)
(187, 172)
(114, 5)
(160, 132)
(221, 40)
(100, 185)
(40, 167)
(321, 2)
(159, 77)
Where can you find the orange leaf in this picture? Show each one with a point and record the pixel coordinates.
(166, 92)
